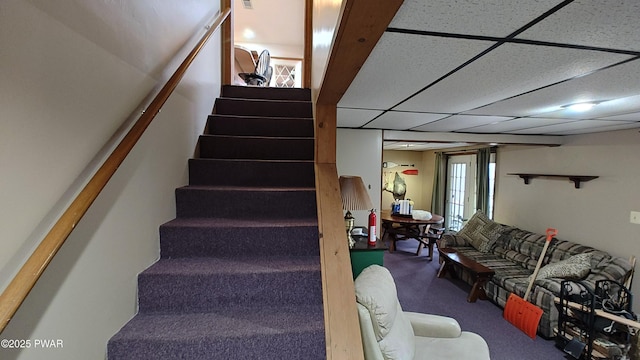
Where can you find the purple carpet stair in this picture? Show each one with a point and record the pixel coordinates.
(239, 270)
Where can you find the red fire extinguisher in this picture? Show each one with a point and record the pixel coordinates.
(372, 227)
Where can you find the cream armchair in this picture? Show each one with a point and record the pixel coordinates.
(390, 333)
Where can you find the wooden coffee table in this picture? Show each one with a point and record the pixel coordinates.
(481, 274)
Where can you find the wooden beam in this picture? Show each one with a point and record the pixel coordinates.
(342, 326)
(361, 25)
(325, 120)
(308, 44)
(228, 55)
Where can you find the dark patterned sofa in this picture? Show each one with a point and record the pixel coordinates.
(513, 253)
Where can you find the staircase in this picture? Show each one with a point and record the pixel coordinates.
(239, 269)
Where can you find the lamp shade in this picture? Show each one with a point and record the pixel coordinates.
(354, 193)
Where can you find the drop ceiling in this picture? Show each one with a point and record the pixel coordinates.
(500, 68)
(456, 72)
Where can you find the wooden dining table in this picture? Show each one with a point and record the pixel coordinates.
(404, 227)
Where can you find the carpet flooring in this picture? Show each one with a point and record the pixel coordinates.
(420, 290)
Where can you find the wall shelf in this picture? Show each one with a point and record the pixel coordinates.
(576, 179)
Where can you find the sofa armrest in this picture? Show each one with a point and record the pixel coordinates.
(427, 325)
(453, 240)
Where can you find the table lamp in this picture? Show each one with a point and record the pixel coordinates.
(354, 197)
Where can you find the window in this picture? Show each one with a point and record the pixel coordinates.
(287, 72)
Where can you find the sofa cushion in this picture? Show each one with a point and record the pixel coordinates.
(575, 267)
(481, 232)
(376, 291)
(609, 268)
(521, 246)
(453, 240)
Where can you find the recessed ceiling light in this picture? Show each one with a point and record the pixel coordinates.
(580, 107)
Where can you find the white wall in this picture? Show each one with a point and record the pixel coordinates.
(359, 153)
(597, 214)
(75, 72)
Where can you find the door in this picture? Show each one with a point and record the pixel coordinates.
(461, 190)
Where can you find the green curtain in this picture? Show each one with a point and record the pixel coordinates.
(482, 179)
(439, 182)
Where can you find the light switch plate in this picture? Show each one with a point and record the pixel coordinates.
(634, 218)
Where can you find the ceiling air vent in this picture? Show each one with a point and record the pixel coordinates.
(247, 4)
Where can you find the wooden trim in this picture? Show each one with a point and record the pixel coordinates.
(228, 56)
(308, 44)
(361, 26)
(342, 327)
(28, 275)
(286, 58)
(601, 313)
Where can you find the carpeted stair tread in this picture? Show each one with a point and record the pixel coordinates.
(238, 265)
(257, 137)
(259, 126)
(198, 237)
(228, 322)
(207, 283)
(240, 223)
(261, 107)
(233, 188)
(245, 202)
(257, 161)
(256, 147)
(272, 173)
(241, 333)
(246, 92)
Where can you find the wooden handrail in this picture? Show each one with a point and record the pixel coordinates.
(28, 275)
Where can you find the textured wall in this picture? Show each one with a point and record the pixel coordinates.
(75, 72)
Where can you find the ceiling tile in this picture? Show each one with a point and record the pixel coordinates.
(488, 17)
(460, 122)
(398, 120)
(626, 117)
(515, 124)
(620, 126)
(580, 126)
(610, 24)
(507, 71)
(530, 81)
(402, 64)
(616, 82)
(353, 118)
